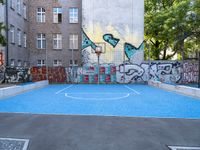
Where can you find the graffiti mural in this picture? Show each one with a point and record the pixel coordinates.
(118, 31)
(17, 75)
(55, 74)
(109, 38)
(2, 73)
(86, 42)
(130, 50)
(160, 71)
(190, 72)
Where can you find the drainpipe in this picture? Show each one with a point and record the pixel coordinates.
(7, 35)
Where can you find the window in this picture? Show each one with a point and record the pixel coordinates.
(12, 34)
(57, 63)
(19, 37)
(73, 15)
(41, 41)
(25, 40)
(19, 63)
(40, 15)
(73, 41)
(12, 62)
(57, 15)
(57, 41)
(75, 62)
(41, 62)
(24, 11)
(25, 63)
(12, 5)
(19, 6)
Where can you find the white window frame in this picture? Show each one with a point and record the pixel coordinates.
(24, 11)
(40, 62)
(75, 62)
(19, 7)
(74, 41)
(19, 63)
(19, 38)
(12, 5)
(57, 63)
(73, 15)
(25, 40)
(42, 38)
(57, 41)
(12, 32)
(12, 62)
(56, 12)
(41, 15)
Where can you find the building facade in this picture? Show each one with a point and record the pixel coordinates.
(55, 32)
(17, 24)
(43, 32)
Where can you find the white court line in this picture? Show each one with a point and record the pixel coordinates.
(136, 92)
(183, 148)
(97, 99)
(63, 89)
(26, 141)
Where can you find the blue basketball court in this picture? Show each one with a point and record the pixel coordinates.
(104, 100)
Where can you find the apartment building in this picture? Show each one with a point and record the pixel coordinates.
(55, 32)
(17, 23)
(43, 32)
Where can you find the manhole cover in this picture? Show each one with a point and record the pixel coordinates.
(183, 148)
(13, 144)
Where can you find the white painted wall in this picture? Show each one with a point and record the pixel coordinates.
(122, 18)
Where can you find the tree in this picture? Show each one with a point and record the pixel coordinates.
(2, 28)
(171, 25)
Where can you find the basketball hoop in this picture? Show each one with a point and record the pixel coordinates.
(98, 50)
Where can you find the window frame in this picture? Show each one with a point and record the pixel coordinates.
(73, 16)
(24, 11)
(58, 41)
(19, 37)
(12, 32)
(56, 12)
(19, 7)
(75, 43)
(41, 15)
(41, 62)
(41, 38)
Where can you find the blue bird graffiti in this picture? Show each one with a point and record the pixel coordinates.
(130, 49)
(86, 42)
(109, 38)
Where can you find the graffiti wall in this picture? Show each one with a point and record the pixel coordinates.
(116, 26)
(170, 72)
(17, 75)
(190, 72)
(91, 74)
(55, 74)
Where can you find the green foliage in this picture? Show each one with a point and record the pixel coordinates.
(172, 25)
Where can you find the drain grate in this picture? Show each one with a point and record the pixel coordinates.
(13, 144)
(183, 148)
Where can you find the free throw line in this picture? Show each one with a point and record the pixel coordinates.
(136, 92)
(58, 92)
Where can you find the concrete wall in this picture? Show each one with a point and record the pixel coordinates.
(14, 90)
(189, 91)
(119, 25)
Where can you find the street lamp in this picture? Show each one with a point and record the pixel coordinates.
(98, 52)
